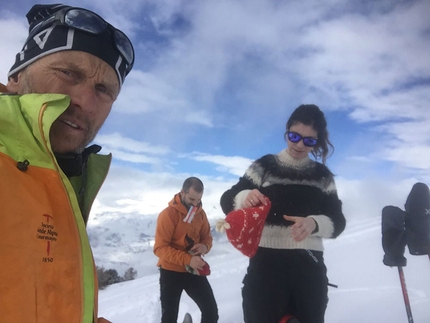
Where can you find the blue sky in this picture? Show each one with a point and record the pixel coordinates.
(215, 81)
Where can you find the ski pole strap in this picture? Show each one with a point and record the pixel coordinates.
(314, 258)
(332, 285)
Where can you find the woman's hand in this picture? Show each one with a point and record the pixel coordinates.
(302, 227)
(254, 198)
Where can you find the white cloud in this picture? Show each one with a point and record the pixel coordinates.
(128, 149)
(234, 165)
(118, 141)
(129, 190)
(240, 67)
(362, 57)
(12, 38)
(144, 93)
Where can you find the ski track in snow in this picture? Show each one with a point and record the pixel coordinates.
(368, 290)
(137, 300)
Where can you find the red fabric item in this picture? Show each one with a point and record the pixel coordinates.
(205, 271)
(246, 226)
(289, 319)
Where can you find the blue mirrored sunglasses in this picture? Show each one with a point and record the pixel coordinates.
(85, 20)
(307, 141)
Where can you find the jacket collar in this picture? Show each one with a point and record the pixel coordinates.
(72, 164)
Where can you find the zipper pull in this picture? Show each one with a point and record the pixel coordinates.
(23, 166)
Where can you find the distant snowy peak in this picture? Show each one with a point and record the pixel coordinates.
(124, 240)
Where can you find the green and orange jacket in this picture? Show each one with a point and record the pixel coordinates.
(47, 267)
(170, 236)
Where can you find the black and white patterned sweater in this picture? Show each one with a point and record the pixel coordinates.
(297, 188)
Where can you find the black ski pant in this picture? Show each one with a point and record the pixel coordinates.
(280, 282)
(172, 284)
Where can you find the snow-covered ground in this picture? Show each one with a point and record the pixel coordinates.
(368, 290)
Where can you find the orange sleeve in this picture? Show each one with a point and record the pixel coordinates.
(165, 247)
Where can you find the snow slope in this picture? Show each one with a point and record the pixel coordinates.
(368, 290)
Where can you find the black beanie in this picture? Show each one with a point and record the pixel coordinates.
(56, 37)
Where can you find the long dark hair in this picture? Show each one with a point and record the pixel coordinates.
(311, 115)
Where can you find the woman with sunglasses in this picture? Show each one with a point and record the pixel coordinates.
(287, 276)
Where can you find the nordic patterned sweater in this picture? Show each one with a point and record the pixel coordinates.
(297, 188)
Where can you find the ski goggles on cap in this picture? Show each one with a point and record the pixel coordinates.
(307, 141)
(90, 22)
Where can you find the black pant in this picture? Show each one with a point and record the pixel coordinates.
(197, 287)
(280, 282)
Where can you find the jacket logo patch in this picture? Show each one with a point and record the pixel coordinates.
(46, 232)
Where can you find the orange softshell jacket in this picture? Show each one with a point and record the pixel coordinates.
(170, 236)
(46, 264)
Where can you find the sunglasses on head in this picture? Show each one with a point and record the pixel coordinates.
(307, 141)
(88, 21)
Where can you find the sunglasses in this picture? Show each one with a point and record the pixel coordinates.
(88, 21)
(307, 141)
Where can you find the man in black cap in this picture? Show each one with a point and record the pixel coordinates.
(59, 93)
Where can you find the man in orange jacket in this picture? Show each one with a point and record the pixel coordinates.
(60, 91)
(182, 237)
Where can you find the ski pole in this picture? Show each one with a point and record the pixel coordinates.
(405, 295)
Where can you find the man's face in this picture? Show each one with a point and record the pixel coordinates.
(89, 81)
(191, 198)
